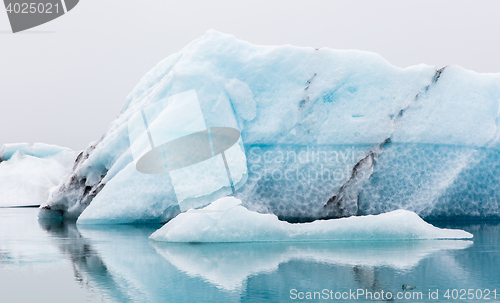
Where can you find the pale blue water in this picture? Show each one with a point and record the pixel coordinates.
(42, 262)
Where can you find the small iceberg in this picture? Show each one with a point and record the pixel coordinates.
(28, 174)
(225, 220)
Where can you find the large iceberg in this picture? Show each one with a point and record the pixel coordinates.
(29, 172)
(326, 134)
(225, 220)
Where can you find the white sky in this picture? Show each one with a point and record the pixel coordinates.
(65, 81)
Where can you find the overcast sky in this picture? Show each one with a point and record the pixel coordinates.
(65, 81)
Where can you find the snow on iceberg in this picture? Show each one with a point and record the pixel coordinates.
(225, 220)
(28, 173)
(326, 134)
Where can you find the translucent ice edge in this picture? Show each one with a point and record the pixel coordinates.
(225, 220)
(39, 150)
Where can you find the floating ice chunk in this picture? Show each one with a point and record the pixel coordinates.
(27, 180)
(408, 287)
(225, 220)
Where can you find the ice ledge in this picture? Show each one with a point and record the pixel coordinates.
(39, 150)
(225, 220)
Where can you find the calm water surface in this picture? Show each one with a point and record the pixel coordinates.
(56, 262)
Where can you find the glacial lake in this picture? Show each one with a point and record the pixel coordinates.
(61, 262)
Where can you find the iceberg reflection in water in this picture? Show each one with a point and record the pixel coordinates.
(118, 263)
(89, 269)
(228, 265)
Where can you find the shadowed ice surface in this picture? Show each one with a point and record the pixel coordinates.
(118, 263)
